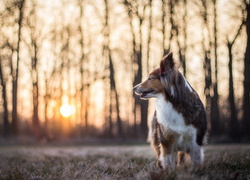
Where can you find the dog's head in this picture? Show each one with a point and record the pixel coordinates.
(159, 80)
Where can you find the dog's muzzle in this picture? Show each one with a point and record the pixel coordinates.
(142, 92)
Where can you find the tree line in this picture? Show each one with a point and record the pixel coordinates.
(91, 53)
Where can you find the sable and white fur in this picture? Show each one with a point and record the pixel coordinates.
(179, 122)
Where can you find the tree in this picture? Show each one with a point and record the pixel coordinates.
(129, 9)
(15, 68)
(137, 12)
(6, 129)
(246, 85)
(163, 23)
(8, 49)
(178, 29)
(83, 112)
(233, 124)
(183, 48)
(35, 91)
(52, 81)
(215, 109)
(210, 91)
(34, 49)
(114, 97)
(149, 33)
(65, 66)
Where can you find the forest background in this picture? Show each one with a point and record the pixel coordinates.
(68, 67)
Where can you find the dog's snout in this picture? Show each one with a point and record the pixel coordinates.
(135, 87)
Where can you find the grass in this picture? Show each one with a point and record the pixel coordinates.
(117, 162)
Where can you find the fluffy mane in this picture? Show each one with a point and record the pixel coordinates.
(179, 123)
(183, 97)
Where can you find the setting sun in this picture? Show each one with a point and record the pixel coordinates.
(67, 110)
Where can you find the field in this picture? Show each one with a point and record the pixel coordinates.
(117, 162)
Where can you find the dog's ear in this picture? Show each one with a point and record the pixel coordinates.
(167, 63)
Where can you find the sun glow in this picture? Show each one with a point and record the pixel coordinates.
(67, 110)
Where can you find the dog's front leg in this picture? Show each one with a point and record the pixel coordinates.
(196, 154)
(166, 156)
(166, 146)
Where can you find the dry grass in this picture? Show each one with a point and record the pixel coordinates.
(116, 162)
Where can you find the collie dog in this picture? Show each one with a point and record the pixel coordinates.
(179, 123)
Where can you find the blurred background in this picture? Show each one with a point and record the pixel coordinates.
(67, 67)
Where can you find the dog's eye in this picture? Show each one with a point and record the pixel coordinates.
(150, 78)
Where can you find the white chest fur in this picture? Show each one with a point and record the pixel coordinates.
(173, 122)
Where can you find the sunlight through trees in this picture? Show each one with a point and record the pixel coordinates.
(91, 53)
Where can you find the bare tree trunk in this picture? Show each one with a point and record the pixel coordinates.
(110, 120)
(35, 92)
(234, 132)
(184, 65)
(61, 92)
(134, 58)
(5, 104)
(176, 30)
(143, 104)
(68, 126)
(246, 93)
(49, 94)
(113, 88)
(86, 106)
(172, 24)
(15, 122)
(234, 126)
(163, 22)
(83, 111)
(181, 52)
(46, 103)
(208, 79)
(106, 52)
(149, 33)
(211, 100)
(133, 9)
(215, 110)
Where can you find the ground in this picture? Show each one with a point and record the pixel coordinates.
(117, 162)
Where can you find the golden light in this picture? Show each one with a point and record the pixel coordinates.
(67, 110)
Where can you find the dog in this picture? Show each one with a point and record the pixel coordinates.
(179, 123)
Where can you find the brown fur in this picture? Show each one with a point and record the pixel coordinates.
(168, 81)
(163, 142)
(185, 102)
